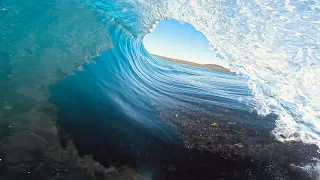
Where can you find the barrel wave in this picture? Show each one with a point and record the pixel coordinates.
(82, 65)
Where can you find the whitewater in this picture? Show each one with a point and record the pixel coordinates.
(82, 66)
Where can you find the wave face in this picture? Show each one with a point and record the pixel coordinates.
(87, 58)
(128, 80)
(275, 44)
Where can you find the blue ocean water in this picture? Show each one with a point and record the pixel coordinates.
(76, 80)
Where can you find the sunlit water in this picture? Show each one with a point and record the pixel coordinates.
(83, 65)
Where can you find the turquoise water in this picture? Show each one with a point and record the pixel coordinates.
(78, 89)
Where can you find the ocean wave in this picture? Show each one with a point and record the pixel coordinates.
(87, 57)
(274, 43)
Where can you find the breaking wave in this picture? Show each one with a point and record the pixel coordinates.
(275, 44)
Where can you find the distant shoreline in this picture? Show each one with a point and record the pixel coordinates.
(206, 66)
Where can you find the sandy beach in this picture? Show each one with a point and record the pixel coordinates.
(206, 66)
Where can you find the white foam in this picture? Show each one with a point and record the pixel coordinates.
(313, 169)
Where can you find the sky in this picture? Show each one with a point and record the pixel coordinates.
(172, 39)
